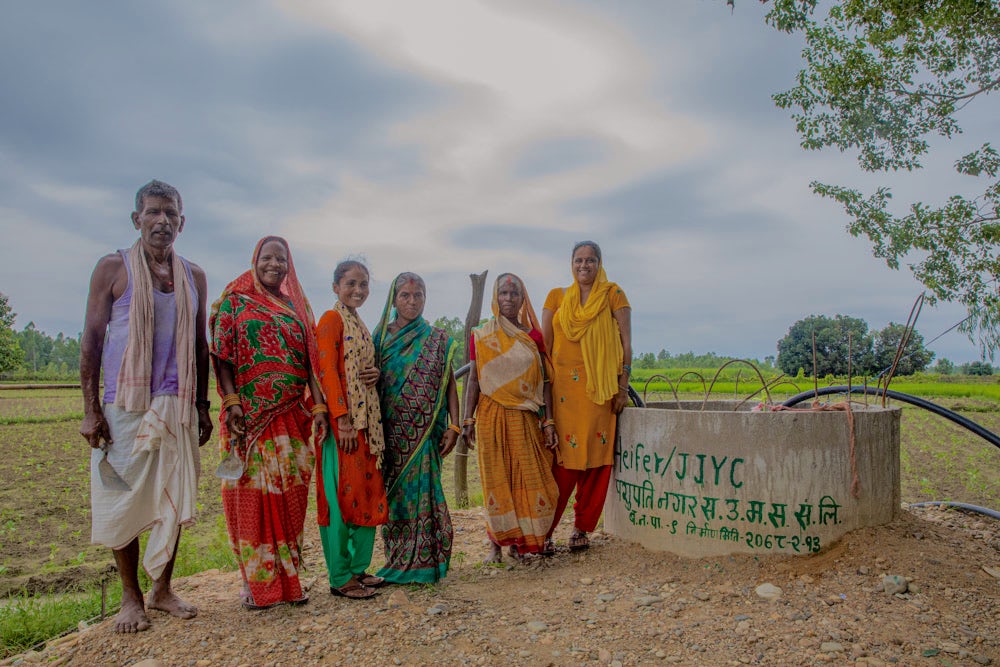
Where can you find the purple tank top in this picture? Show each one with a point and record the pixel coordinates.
(164, 379)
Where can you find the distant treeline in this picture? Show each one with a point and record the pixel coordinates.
(664, 359)
(45, 357)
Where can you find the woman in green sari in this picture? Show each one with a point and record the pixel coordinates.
(419, 417)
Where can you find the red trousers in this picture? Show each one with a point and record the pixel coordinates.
(591, 487)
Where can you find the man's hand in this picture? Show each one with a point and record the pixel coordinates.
(204, 425)
(95, 428)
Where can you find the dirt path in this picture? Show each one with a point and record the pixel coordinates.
(616, 604)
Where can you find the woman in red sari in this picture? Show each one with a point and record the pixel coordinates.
(264, 352)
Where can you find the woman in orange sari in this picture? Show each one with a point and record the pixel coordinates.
(264, 353)
(587, 326)
(508, 389)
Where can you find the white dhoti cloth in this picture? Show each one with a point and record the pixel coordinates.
(159, 458)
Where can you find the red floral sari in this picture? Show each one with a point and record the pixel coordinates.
(269, 343)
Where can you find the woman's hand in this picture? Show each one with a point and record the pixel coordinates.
(448, 441)
(321, 422)
(469, 433)
(550, 437)
(235, 422)
(369, 376)
(347, 437)
(620, 400)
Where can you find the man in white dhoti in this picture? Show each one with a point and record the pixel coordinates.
(146, 328)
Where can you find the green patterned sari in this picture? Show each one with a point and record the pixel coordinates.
(416, 366)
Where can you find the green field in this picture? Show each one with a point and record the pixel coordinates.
(50, 573)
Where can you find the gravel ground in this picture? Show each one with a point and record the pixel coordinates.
(616, 604)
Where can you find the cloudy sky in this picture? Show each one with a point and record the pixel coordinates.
(443, 137)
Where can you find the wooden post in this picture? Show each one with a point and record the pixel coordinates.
(461, 450)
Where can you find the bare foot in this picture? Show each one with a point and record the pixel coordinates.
(169, 602)
(494, 556)
(131, 618)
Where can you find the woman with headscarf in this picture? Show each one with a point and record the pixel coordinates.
(419, 414)
(265, 355)
(509, 394)
(587, 327)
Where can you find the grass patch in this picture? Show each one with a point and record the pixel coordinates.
(27, 620)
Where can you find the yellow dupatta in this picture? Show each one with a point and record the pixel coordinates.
(595, 328)
(508, 363)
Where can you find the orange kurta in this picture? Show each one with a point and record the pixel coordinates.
(586, 430)
(361, 492)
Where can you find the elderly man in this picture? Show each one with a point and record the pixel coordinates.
(145, 329)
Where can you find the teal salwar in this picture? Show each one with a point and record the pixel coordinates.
(346, 547)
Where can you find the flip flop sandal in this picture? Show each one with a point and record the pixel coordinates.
(548, 548)
(579, 542)
(250, 606)
(355, 592)
(371, 580)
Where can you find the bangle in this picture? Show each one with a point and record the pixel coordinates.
(621, 388)
(468, 421)
(455, 428)
(626, 369)
(229, 400)
(319, 409)
(548, 422)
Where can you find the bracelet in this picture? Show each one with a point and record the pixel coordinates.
(229, 400)
(548, 422)
(455, 428)
(319, 409)
(468, 421)
(626, 369)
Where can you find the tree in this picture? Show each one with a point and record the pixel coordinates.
(944, 367)
(834, 337)
(11, 355)
(977, 368)
(915, 357)
(456, 329)
(644, 360)
(887, 78)
(37, 347)
(65, 355)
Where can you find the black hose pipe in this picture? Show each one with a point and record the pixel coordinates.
(984, 433)
(965, 506)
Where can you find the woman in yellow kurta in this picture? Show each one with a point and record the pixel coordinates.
(587, 327)
(508, 392)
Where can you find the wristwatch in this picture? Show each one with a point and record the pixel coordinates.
(203, 403)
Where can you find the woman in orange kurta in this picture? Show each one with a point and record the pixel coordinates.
(349, 489)
(587, 327)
